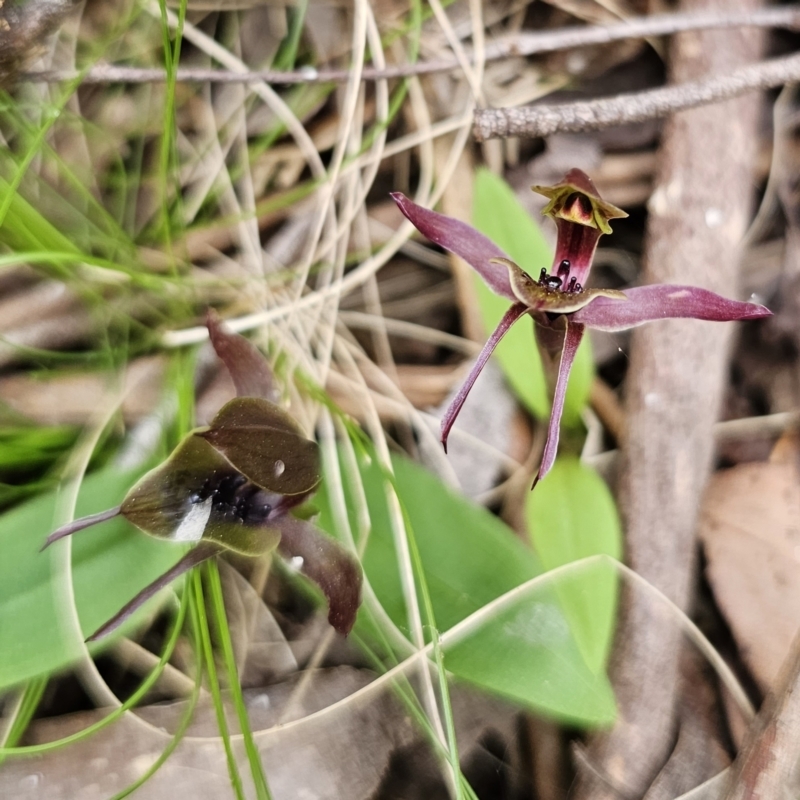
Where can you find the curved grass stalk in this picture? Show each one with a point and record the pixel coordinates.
(61, 556)
(130, 703)
(86, 670)
(186, 717)
(293, 125)
(470, 624)
(347, 116)
(455, 634)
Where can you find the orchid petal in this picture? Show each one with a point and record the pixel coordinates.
(665, 301)
(250, 371)
(576, 199)
(572, 338)
(461, 239)
(509, 318)
(329, 565)
(194, 557)
(79, 524)
(542, 298)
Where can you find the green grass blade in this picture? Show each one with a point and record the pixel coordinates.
(213, 680)
(224, 635)
(23, 713)
(438, 655)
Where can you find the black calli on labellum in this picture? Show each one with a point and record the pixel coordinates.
(561, 307)
(231, 486)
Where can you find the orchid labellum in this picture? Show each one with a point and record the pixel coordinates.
(557, 299)
(231, 485)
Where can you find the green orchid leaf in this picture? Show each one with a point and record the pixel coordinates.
(526, 651)
(572, 515)
(499, 215)
(196, 495)
(266, 445)
(110, 564)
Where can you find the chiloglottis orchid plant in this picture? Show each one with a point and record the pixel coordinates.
(557, 299)
(231, 486)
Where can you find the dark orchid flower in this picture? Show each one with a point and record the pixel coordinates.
(557, 300)
(231, 485)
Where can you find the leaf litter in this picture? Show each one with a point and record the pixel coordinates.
(228, 215)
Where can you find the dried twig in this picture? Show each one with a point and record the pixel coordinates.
(767, 765)
(518, 44)
(534, 121)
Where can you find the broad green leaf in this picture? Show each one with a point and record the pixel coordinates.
(498, 214)
(111, 563)
(572, 515)
(470, 558)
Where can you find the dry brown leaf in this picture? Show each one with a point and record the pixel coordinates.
(750, 528)
(346, 752)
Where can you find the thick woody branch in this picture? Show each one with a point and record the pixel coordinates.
(535, 121)
(518, 44)
(676, 381)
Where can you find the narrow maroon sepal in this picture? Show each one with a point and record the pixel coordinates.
(509, 318)
(572, 338)
(194, 557)
(326, 563)
(461, 239)
(665, 301)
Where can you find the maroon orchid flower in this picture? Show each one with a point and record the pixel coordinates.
(557, 300)
(231, 485)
